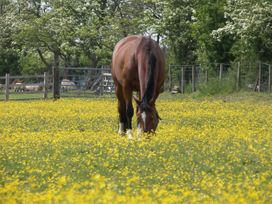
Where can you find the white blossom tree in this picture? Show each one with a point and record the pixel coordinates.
(250, 24)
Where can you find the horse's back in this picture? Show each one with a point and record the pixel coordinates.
(124, 66)
(128, 56)
(125, 42)
(124, 47)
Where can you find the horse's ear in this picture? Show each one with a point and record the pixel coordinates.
(137, 100)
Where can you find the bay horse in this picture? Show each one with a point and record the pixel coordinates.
(138, 65)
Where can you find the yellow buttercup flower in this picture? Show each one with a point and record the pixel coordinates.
(68, 151)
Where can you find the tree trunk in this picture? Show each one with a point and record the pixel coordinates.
(94, 61)
(56, 77)
(158, 38)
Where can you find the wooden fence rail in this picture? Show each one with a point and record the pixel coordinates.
(66, 82)
(8, 86)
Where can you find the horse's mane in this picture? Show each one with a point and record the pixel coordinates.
(151, 64)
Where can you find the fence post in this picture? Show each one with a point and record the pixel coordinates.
(193, 78)
(7, 88)
(220, 71)
(101, 82)
(182, 83)
(45, 85)
(259, 77)
(269, 78)
(238, 76)
(170, 78)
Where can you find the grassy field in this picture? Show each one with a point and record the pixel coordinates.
(214, 150)
(24, 96)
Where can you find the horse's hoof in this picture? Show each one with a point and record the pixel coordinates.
(130, 134)
(122, 133)
(121, 130)
(139, 134)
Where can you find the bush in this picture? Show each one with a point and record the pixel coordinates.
(216, 86)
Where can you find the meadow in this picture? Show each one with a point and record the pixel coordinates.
(208, 150)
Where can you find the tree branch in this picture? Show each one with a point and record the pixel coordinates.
(42, 57)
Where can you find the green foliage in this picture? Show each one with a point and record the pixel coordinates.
(209, 16)
(249, 22)
(84, 60)
(85, 32)
(8, 62)
(9, 55)
(216, 87)
(31, 64)
(176, 22)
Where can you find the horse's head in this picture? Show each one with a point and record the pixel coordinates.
(147, 116)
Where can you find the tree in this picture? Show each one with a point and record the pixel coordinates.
(84, 32)
(127, 17)
(31, 64)
(209, 16)
(177, 25)
(8, 54)
(250, 24)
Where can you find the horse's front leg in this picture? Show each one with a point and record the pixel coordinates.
(121, 110)
(140, 131)
(129, 109)
(122, 118)
(129, 114)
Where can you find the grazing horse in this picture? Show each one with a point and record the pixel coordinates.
(138, 65)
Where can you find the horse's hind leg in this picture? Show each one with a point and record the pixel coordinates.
(129, 111)
(121, 110)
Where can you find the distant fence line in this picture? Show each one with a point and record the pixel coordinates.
(13, 85)
(73, 82)
(90, 82)
(245, 76)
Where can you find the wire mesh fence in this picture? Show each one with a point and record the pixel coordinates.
(85, 81)
(248, 76)
(92, 82)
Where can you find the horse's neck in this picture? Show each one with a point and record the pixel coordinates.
(142, 79)
(147, 80)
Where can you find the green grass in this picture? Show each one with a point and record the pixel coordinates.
(207, 149)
